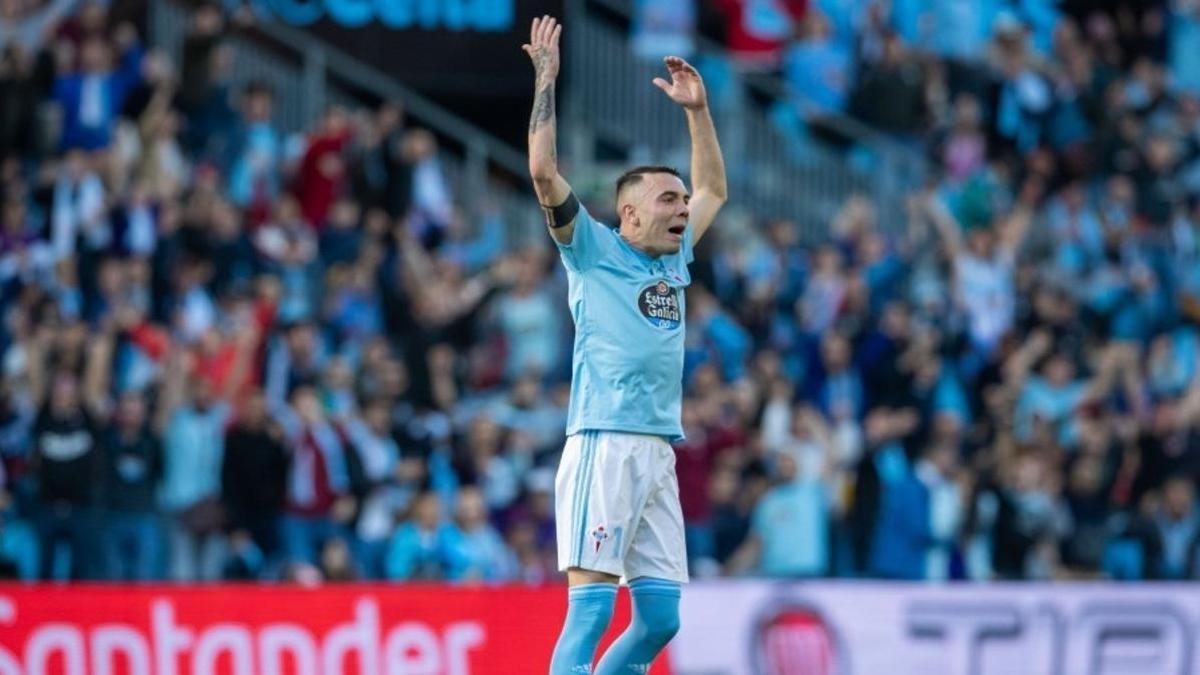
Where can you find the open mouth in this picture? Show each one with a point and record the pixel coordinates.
(677, 229)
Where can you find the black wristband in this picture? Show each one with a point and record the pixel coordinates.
(563, 214)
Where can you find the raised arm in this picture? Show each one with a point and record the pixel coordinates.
(1015, 226)
(946, 224)
(1017, 367)
(1117, 359)
(97, 376)
(247, 343)
(552, 189)
(174, 381)
(709, 191)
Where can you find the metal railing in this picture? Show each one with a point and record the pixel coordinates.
(308, 74)
(609, 101)
(774, 168)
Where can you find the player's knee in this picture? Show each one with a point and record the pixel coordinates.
(594, 622)
(664, 628)
(657, 606)
(591, 609)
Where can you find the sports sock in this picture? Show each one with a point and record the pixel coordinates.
(655, 622)
(589, 609)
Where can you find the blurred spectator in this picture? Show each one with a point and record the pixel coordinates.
(1024, 516)
(485, 558)
(388, 488)
(254, 470)
(76, 201)
(204, 95)
(757, 30)
(431, 209)
(255, 152)
(895, 78)
(1184, 40)
(964, 147)
(91, 99)
(148, 135)
(320, 501)
(26, 77)
(342, 241)
(195, 415)
(381, 174)
(790, 529)
(983, 271)
(133, 534)
(322, 174)
(817, 68)
(938, 470)
(67, 462)
(903, 533)
(425, 547)
(1179, 527)
(664, 28)
(529, 320)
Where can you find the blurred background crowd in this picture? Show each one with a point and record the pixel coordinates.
(230, 352)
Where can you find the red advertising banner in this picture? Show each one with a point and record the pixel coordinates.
(283, 630)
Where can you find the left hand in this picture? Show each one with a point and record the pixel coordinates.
(685, 88)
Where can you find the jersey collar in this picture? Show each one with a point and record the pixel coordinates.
(642, 256)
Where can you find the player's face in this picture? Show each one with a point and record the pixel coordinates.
(660, 213)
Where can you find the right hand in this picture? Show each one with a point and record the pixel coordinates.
(543, 47)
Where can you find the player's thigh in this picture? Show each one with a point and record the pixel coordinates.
(572, 469)
(579, 577)
(658, 548)
(596, 502)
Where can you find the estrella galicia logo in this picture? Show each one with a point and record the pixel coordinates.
(660, 305)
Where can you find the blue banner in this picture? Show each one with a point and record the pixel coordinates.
(488, 16)
(469, 50)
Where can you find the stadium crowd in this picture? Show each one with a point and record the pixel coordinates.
(232, 353)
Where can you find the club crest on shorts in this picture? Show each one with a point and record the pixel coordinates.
(659, 303)
(599, 535)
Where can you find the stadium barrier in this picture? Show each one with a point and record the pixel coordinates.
(733, 628)
(865, 628)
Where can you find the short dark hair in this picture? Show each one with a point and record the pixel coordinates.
(634, 175)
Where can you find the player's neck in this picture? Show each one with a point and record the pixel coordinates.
(638, 247)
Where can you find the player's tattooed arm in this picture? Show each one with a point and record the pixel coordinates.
(545, 68)
(552, 189)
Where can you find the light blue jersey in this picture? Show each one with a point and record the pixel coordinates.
(628, 309)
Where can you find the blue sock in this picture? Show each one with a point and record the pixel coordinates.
(589, 609)
(655, 622)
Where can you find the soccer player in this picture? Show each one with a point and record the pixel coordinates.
(617, 511)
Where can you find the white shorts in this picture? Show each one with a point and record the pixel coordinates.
(617, 506)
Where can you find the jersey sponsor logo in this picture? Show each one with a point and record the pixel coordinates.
(660, 305)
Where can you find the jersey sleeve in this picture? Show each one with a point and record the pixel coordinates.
(590, 242)
(685, 248)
